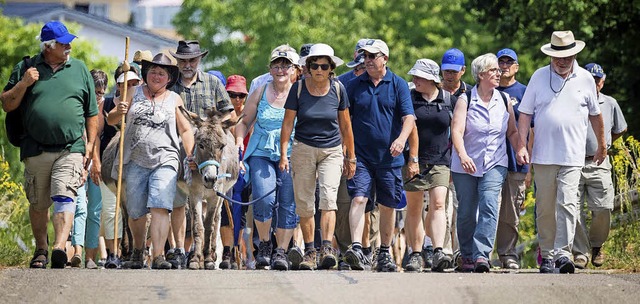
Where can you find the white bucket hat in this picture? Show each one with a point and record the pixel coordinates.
(321, 49)
(427, 69)
(562, 45)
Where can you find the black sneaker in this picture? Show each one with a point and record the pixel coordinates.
(226, 260)
(357, 260)
(427, 256)
(279, 260)
(176, 258)
(385, 263)
(327, 257)
(263, 257)
(136, 261)
(112, 262)
(160, 263)
(414, 262)
(546, 266)
(481, 265)
(565, 265)
(295, 256)
(441, 261)
(342, 265)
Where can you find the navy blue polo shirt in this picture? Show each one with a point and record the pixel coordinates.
(376, 117)
(515, 91)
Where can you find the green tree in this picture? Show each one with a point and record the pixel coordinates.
(607, 27)
(18, 41)
(241, 34)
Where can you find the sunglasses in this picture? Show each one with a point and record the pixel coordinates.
(324, 66)
(237, 95)
(372, 56)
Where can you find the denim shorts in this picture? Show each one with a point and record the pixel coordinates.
(149, 188)
(387, 183)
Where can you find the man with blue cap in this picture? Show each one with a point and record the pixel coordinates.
(518, 176)
(453, 67)
(55, 95)
(596, 186)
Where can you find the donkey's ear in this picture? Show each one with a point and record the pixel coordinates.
(193, 118)
(232, 122)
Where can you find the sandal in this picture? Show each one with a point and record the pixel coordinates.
(40, 259)
(76, 261)
(58, 258)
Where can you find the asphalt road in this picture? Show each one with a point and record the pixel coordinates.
(19, 285)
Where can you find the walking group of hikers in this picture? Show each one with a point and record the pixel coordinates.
(338, 168)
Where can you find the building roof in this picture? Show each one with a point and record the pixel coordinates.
(43, 12)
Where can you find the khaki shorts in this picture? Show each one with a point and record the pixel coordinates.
(438, 176)
(51, 174)
(309, 164)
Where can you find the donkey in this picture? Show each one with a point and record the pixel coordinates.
(217, 158)
(218, 166)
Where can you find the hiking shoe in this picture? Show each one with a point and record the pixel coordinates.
(226, 260)
(342, 265)
(327, 257)
(597, 257)
(565, 265)
(263, 257)
(176, 258)
(295, 256)
(427, 256)
(58, 258)
(279, 260)
(160, 263)
(309, 260)
(76, 261)
(481, 265)
(510, 264)
(546, 266)
(414, 262)
(357, 260)
(101, 263)
(90, 264)
(136, 261)
(441, 261)
(385, 263)
(467, 265)
(112, 262)
(580, 261)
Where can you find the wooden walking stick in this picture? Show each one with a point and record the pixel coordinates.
(123, 94)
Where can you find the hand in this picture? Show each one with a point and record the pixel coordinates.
(96, 172)
(192, 163)
(413, 169)
(123, 107)
(243, 170)
(467, 164)
(30, 76)
(601, 155)
(397, 146)
(284, 164)
(522, 157)
(527, 179)
(349, 169)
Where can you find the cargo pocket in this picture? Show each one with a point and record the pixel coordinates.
(30, 187)
(75, 180)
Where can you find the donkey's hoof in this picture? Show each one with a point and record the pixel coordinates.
(209, 265)
(194, 265)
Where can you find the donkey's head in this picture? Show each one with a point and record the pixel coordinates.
(210, 142)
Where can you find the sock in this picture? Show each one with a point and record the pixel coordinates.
(437, 249)
(326, 243)
(384, 248)
(356, 246)
(366, 250)
(308, 247)
(226, 249)
(427, 241)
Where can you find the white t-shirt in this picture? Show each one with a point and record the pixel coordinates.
(562, 118)
(259, 81)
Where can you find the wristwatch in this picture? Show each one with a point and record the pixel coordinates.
(414, 159)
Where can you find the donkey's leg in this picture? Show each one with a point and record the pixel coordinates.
(197, 230)
(209, 258)
(215, 226)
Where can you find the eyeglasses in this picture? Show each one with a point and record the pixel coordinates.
(324, 66)
(99, 93)
(506, 62)
(372, 56)
(280, 68)
(234, 95)
(359, 68)
(495, 71)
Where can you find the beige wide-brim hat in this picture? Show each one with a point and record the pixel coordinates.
(563, 44)
(321, 49)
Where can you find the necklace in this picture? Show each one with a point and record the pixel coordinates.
(564, 81)
(278, 96)
(159, 116)
(316, 90)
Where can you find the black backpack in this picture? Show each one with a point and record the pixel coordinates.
(14, 122)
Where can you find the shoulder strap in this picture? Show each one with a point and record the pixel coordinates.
(300, 83)
(468, 93)
(337, 84)
(504, 98)
(264, 88)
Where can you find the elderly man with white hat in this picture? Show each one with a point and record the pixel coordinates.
(563, 98)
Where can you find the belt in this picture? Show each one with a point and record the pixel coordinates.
(588, 158)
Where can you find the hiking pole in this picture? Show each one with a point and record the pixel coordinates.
(125, 70)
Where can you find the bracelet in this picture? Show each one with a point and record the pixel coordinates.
(352, 160)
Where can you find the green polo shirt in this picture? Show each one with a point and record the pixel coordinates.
(206, 92)
(57, 107)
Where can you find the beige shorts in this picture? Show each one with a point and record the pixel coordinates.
(309, 164)
(438, 176)
(51, 174)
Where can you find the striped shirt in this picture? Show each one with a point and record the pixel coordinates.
(206, 92)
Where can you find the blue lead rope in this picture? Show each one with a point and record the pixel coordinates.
(278, 184)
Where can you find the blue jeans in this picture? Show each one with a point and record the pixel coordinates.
(264, 174)
(478, 210)
(86, 222)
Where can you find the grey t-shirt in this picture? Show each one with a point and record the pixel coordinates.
(317, 124)
(614, 122)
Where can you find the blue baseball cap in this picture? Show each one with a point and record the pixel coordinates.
(595, 69)
(219, 75)
(453, 59)
(507, 53)
(56, 30)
